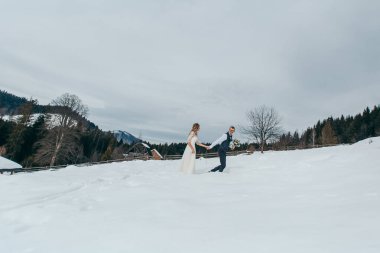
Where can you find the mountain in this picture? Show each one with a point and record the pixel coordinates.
(125, 137)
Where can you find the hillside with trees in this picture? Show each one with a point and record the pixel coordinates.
(74, 139)
(345, 129)
(61, 134)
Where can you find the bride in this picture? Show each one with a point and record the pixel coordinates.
(188, 158)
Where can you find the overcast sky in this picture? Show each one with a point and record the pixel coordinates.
(155, 67)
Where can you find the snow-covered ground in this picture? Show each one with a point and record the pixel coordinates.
(8, 164)
(53, 120)
(321, 200)
(14, 118)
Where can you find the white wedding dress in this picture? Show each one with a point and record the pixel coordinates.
(188, 158)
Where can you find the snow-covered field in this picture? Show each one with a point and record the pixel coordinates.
(321, 200)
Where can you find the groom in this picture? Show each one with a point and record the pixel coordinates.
(224, 142)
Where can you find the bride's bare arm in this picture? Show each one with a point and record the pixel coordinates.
(202, 145)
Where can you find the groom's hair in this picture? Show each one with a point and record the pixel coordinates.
(232, 127)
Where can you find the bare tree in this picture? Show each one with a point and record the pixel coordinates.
(263, 125)
(67, 151)
(69, 112)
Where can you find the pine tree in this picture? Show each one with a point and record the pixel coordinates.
(16, 142)
(296, 139)
(6, 128)
(376, 120)
(318, 133)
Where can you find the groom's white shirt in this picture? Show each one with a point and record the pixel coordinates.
(219, 141)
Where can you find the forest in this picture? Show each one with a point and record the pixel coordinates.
(59, 133)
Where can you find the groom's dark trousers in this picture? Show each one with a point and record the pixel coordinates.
(222, 156)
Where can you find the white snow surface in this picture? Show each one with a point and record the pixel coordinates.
(8, 164)
(317, 200)
(53, 121)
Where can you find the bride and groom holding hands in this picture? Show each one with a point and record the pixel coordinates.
(189, 155)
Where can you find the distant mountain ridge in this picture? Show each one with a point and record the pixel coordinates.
(125, 137)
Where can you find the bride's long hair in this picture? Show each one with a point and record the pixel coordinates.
(195, 128)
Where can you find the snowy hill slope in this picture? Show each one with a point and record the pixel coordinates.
(320, 200)
(8, 164)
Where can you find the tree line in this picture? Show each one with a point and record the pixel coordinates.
(349, 129)
(60, 133)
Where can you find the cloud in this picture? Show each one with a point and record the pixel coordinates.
(156, 67)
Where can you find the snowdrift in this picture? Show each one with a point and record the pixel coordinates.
(8, 164)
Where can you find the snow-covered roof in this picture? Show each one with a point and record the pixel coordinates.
(8, 164)
(145, 145)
